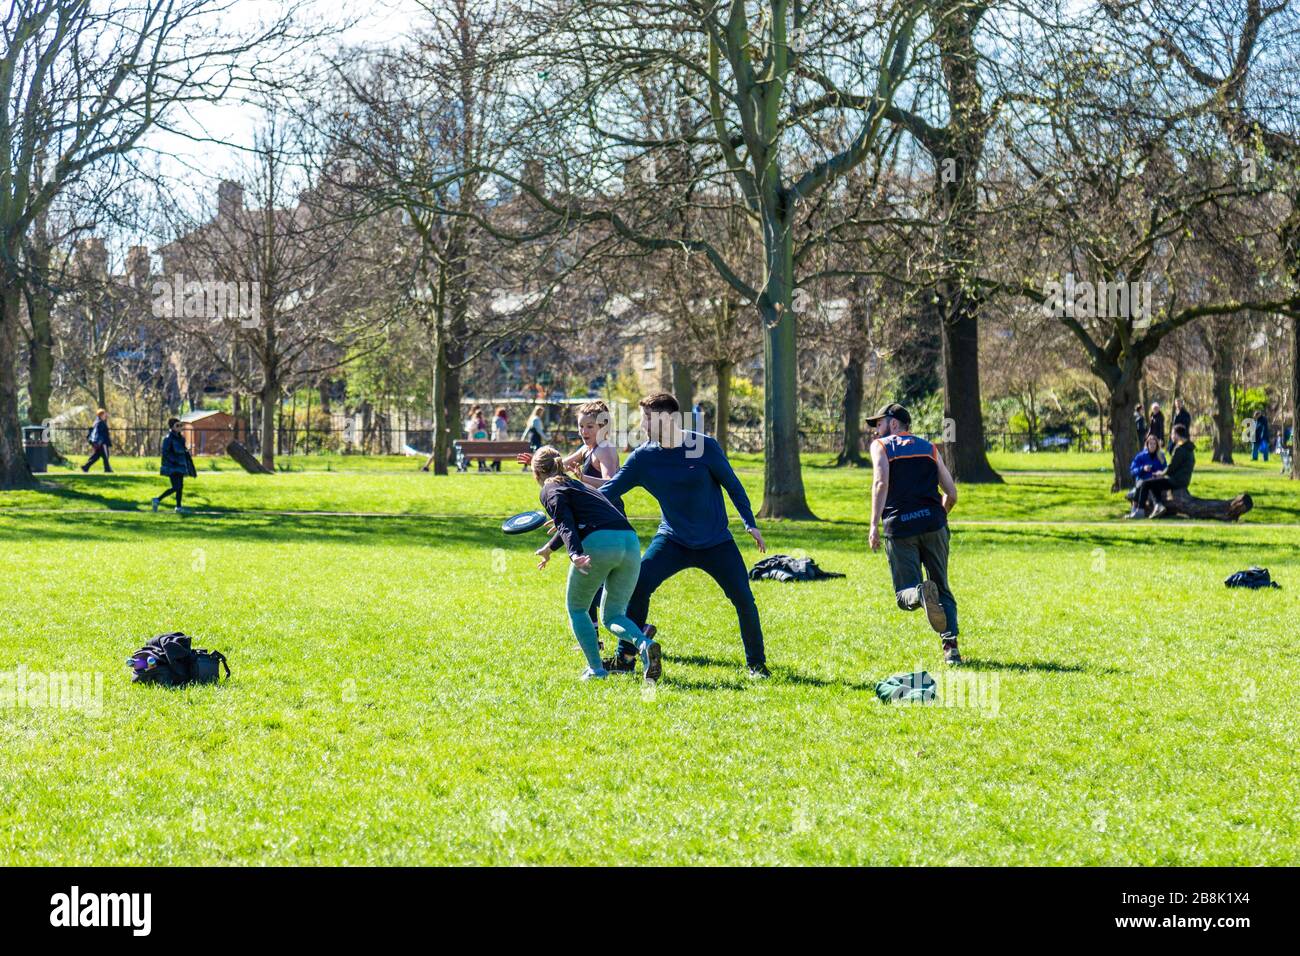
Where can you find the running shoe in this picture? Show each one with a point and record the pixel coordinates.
(950, 653)
(934, 611)
(652, 661)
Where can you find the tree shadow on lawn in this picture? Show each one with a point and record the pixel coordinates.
(1122, 536)
(66, 492)
(403, 530)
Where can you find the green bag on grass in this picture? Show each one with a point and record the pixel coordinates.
(917, 687)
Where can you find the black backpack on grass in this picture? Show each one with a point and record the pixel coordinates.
(1253, 577)
(170, 661)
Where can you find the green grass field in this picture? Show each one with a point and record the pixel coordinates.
(406, 689)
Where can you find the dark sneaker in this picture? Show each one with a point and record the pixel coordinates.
(650, 631)
(620, 663)
(760, 672)
(652, 659)
(934, 611)
(950, 653)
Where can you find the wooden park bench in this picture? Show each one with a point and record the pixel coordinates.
(473, 449)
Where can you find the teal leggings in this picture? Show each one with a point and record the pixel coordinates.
(616, 564)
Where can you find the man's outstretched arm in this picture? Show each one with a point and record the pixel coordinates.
(726, 476)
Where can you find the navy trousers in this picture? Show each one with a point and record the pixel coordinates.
(723, 563)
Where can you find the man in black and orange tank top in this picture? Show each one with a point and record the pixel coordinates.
(910, 499)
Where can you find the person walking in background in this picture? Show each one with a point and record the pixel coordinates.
(476, 429)
(176, 464)
(1139, 423)
(535, 429)
(1181, 417)
(500, 424)
(1260, 443)
(911, 495)
(100, 441)
(1157, 425)
(1147, 464)
(1176, 477)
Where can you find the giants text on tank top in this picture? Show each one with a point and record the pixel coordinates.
(913, 505)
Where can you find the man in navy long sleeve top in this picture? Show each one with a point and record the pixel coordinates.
(686, 473)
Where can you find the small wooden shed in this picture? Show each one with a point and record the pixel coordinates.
(208, 433)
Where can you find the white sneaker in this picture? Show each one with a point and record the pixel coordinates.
(1158, 510)
(154, 502)
(180, 511)
(590, 674)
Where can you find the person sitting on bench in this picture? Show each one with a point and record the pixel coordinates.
(1147, 463)
(1176, 477)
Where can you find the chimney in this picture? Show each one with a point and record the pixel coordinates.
(92, 257)
(230, 199)
(137, 266)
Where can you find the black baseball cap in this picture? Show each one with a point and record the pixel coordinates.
(892, 410)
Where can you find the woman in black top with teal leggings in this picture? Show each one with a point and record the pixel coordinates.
(603, 551)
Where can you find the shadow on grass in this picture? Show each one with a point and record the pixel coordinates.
(70, 493)
(780, 674)
(1166, 537)
(1026, 667)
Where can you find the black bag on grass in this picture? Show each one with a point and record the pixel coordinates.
(1252, 577)
(170, 660)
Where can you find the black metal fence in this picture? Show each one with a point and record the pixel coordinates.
(384, 439)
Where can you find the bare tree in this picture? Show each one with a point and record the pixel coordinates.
(1242, 57)
(82, 83)
(274, 294)
(756, 78)
(1118, 164)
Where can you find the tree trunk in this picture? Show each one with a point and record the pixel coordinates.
(1181, 502)
(957, 157)
(1123, 430)
(101, 393)
(783, 491)
(442, 420)
(684, 390)
(722, 426)
(1295, 395)
(963, 427)
(1221, 363)
(324, 389)
(1290, 235)
(14, 472)
(40, 360)
(452, 415)
(270, 401)
(918, 362)
(851, 453)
